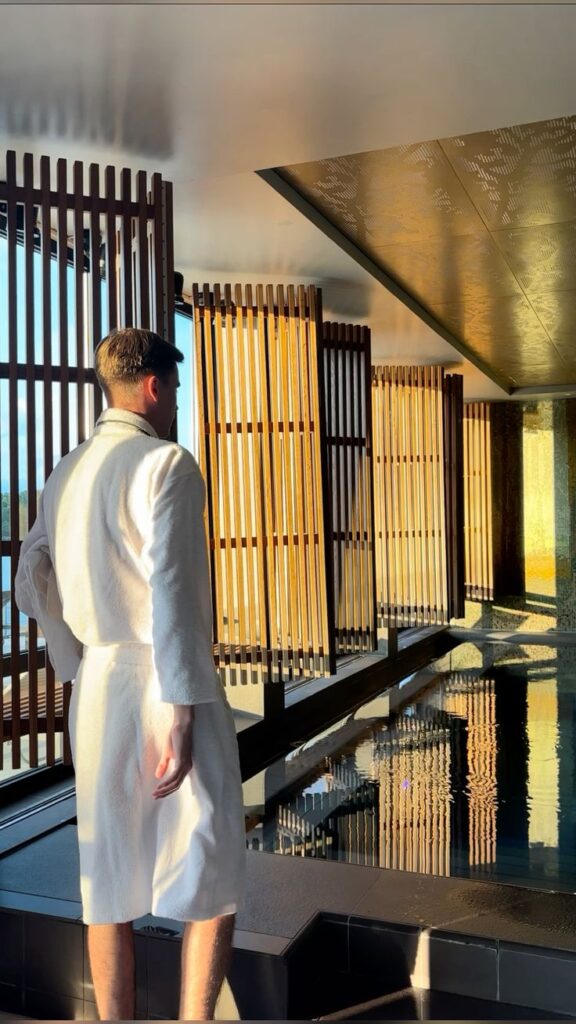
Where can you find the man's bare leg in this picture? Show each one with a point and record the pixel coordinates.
(206, 950)
(111, 951)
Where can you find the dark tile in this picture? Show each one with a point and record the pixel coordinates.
(274, 945)
(346, 993)
(388, 952)
(68, 910)
(259, 985)
(163, 971)
(49, 866)
(12, 999)
(50, 1006)
(53, 956)
(322, 947)
(545, 982)
(446, 1006)
(403, 1007)
(465, 968)
(541, 919)
(12, 946)
(141, 964)
(284, 893)
(428, 901)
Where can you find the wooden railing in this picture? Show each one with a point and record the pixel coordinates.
(83, 256)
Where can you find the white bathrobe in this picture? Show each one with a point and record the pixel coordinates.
(115, 570)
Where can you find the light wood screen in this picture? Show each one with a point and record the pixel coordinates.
(86, 251)
(478, 501)
(263, 455)
(348, 389)
(417, 417)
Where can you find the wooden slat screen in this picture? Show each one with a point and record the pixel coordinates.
(348, 389)
(478, 501)
(415, 425)
(263, 455)
(81, 258)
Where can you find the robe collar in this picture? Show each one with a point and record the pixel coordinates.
(131, 420)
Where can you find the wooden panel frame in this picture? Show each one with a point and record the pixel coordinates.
(71, 227)
(418, 497)
(262, 451)
(348, 388)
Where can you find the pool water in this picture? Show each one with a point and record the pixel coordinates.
(475, 777)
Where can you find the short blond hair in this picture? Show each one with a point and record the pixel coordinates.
(128, 354)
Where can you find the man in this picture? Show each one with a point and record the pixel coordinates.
(115, 570)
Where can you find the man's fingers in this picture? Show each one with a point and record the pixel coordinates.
(172, 782)
(162, 766)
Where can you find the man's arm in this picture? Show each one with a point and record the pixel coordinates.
(36, 594)
(176, 557)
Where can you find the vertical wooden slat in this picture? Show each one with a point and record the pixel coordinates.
(31, 441)
(288, 553)
(235, 486)
(308, 470)
(246, 482)
(14, 468)
(275, 411)
(62, 220)
(126, 230)
(110, 234)
(143, 275)
(168, 257)
(218, 476)
(223, 471)
(50, 683)
(161, 325)
(95, 275)
(267, 416)
(477, 479)
(313, 326)
(79, 291)
(259, 440)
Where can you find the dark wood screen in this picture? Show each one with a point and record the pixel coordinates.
(348, 389)
(417, 462)
(478, 501)
(263, 455)
(85, 251)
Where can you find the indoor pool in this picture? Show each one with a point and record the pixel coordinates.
(475, 776)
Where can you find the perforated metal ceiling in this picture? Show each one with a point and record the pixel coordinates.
(480, 229)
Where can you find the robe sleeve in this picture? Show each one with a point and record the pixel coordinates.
(177, 558)
(36, 593)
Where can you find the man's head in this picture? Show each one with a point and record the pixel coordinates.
(137, 371)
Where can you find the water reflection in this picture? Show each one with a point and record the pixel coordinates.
(475, 778)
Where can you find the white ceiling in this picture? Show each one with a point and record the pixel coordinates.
(208, 94)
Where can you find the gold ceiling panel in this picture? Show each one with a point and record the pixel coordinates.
(450, 268)
(520, 176)
(543, 258)
(557, 312)
(395, 195)
(479, 229)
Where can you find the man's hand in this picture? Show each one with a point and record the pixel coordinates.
(178, 748)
